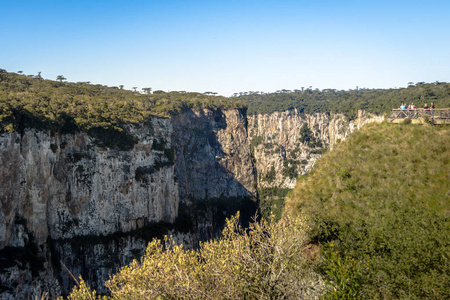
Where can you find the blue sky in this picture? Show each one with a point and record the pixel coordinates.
(229, 46)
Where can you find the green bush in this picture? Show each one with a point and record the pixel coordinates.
(406, 121)
(270, 176)
(271, 202)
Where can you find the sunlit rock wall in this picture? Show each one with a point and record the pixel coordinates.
(279, 153)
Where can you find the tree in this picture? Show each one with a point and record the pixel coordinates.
(60, 78)
(134, 88)
(147, 90)
(121, 86)
(19, 72)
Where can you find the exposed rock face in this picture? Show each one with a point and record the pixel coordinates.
(64, 198)
(213, 155)
(64, 186)
(282, 148)
(55, 187)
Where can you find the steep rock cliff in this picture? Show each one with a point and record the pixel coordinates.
(66, 199)
(57, 187)
(63, 186)
(287, 144)
(213, 155)
(214, 170)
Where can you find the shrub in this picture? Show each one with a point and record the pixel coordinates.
(406, 121)
(261, 262)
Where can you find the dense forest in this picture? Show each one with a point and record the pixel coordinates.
(379, 101)
(64, 106)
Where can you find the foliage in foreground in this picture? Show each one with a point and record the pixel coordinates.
(380, 205)
(261, 262)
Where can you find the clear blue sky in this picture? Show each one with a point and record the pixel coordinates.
(229, 46)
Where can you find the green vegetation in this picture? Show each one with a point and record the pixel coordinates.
(262, 262)
(101, 111)
(379, 204)
(290, 168)
(270, 176)
(271, 202)
(256, 140)
(379, 101)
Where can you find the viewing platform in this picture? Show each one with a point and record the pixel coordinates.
(420, 116)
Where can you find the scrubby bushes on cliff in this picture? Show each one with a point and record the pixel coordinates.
(380, 205)
(261, 262)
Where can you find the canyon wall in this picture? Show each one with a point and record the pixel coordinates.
(71, 205)
(67, 202)
(287, 144)
(58, 187)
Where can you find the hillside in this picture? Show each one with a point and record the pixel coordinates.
(379, 101)
(380, 206)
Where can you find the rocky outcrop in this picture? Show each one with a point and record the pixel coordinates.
(287, 144)
(214, 170)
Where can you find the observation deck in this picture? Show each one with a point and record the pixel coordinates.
(420, 116)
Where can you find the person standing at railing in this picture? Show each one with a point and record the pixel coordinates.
(426, 108)
(403, 106)
(432, 108)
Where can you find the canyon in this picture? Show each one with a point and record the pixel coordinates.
(72, 206)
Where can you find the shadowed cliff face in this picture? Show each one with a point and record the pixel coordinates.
(213, 155)
(214, 170)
